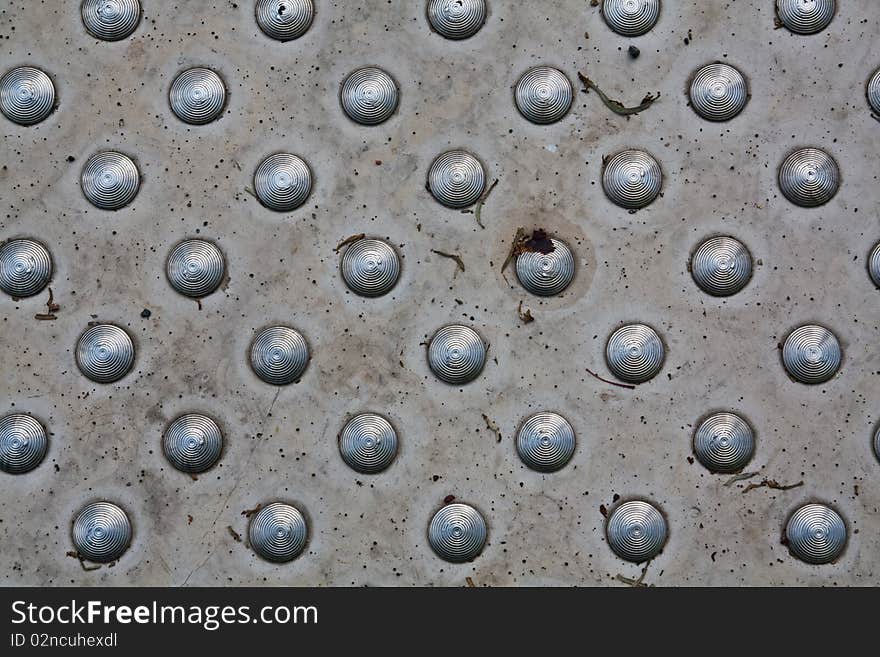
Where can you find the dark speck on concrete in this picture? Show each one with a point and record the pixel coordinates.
(145, 313)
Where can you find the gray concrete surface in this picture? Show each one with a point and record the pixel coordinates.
(281, 444)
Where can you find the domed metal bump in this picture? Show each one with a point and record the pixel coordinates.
(283, 182)
(456, 179)
(25, 268)
(873, 91)
(101, 532)
(368, 443)
(370, 267)
(635, 353)
(456, 19)
(631, 17)
(27, 95)
(816, 534)
(104, 353)
(809, 177)
(721, 266)
(195, 268)
(874, 264)
(877, 443)
(718, 92)
(636, 531)
(110, 180)
(369, 96)
(811, 354)
(278, 532)
(724, 442)
(545, 442)
(192, 443)
(632, 179)
(23, 443)
(546, 274)
(111, 20)
(456, 354)
(279, 355)
(457, 533)
(284, 20)
(805, 16)
(197, 96)
(543, 95)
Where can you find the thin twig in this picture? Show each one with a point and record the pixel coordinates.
(82, 561)
(470, 582)
(525, 316)
(740, 477)
(452, 256)
(351, 239)
(235, 535)
(640, 582)
(615, 105)
(247, 513)
(491, 426)
(772, 483)
(478, 208)
(628, 386)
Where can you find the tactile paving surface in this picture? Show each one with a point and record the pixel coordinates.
(456, 443)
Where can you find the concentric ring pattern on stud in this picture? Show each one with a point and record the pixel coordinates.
(456, 179)
(110, 180)
(25, 267)
(284, 20)
(721, 266)
(192, 443)
(370, 267)
(631, 17)
(369, 96)
(811, 354)
(543, 95)
(23, 443)
(101, 532)
(874, 264)
(632, 179)
(283, 182)
(636, 531)
(456, 354)
(873, 91)
(279, 355)
(805, 16)
(718, 92)
(724, 442)
(104, 353)
(546, 274)
(545, 442)
(809, 177)
(111, 20)
(195, 268)
(27, 95)
(197, 96)
(456, 19)
(816, 534)
(368, 443)
(876, 443)
(457, 533)
(635, 353)
(278, 532)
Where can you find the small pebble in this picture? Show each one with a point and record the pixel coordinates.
(145, 313)
(634, 52)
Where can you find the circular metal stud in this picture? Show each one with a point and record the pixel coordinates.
(27, 95)
(724, 442)
(101, 532)
(718, 92)
(284, 20)
(278, 532)
(721, 266)
(543, 95)
(369, 96)
(635, 353)
(631, 17)
(195, 268)
(874, 264)
(283, 182)
(456, 19)
(876, 443)
(636, 531)
(110, 180)
(872, 90)
(368, 443)
(104, 353)
(279, 355)
(457, 533)
(545, 442)
(25, 268)
(632, 179)
(23, 443)
(456, 354)
(370, 267)
(111, 20)
(809, 177)
(197, 96)
(816, 534)
(193, 443)
(805, 16)
(546, 274)
(456, 179)
(811, 354)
